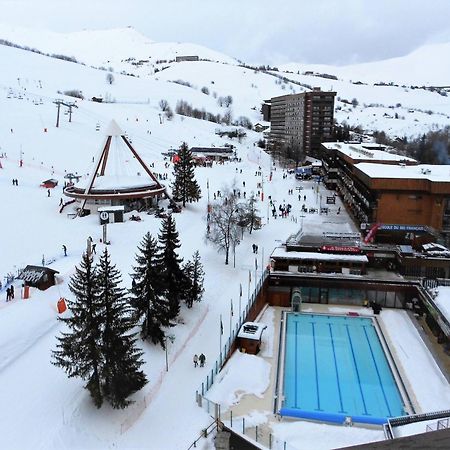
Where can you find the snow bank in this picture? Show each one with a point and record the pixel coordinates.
(243, 374)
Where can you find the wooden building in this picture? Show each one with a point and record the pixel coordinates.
(38, 276)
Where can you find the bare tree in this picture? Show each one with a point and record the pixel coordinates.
(110, 78)
(250, 218)
(164, 104)
(223, 224)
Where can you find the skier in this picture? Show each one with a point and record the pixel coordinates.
(8, 295)
(48, 192)
(93, 248)
(61, 202)
(202, 359)
(64, 250)
(195, 359)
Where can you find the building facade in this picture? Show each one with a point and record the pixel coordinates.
(299, 123)
(382, 187)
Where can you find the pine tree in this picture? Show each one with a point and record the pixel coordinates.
(79, 351)
(194, 273)
(120, 376)
(148, 295)
(185, 187)
(173, 277)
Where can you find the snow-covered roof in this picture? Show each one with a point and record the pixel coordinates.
(113, 129)
(252, 330)
(430, 172)
(442, 301)
(111, 182)
(374, 152)
(111, 208)
(282, 253)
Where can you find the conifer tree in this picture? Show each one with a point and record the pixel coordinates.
(79, 350)
(194, 273)
(173, 277)
(185, 187)
(121, 376)
(148, 294)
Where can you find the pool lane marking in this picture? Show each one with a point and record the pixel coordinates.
(378, 372)
(337, 371)
(315, 365)
(296, 354)
(357, 371)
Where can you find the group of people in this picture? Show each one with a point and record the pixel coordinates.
(15, 182)
(199, 360)
(10, 293)
(255, 248)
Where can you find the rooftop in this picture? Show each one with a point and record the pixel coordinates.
(367, 152)
(437, 173)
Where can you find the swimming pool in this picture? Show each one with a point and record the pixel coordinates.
(335, 367)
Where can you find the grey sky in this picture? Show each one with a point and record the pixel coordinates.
(309, 31)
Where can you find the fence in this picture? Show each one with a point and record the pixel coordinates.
(142, 404)
(259, 434)
(228, 348)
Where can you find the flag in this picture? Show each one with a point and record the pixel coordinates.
(256, 264)
(231, 309)
(249, 276)
(240, 290)
(221, 325)
(207, 183)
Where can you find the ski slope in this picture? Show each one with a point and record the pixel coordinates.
(40, 406)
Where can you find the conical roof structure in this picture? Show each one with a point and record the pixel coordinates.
(118, 173)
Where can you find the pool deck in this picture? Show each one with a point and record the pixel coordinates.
(252, 404)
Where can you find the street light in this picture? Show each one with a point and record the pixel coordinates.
(171, 338)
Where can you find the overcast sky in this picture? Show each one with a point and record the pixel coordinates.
(277, 31)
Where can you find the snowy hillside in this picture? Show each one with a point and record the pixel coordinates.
(109, 48)
(41, 407)
(399, 111)
(428, 65)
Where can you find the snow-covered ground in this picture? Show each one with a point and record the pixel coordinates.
(40, 407)
(399, 111)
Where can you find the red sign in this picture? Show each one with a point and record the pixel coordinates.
(335, 248)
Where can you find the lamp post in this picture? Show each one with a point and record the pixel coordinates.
(171, 338)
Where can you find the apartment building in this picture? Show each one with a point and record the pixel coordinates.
(301, 122)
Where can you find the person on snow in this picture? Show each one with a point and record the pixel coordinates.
(64, 250)
(93, 248)
(48, 192)
(195, 359)
(202, 359)
(8, 295)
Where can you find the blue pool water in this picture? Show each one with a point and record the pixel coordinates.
(335, 367)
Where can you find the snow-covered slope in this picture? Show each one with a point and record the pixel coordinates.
(396, 110)
(57, 412)
(108, 48)
(428, 65)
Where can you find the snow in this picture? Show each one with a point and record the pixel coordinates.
(435, 173)
(442, 300)
(243, 375)
(251, 330)
(416, 362)
(282, 253)
(56, 412)
(423, 66)
(111, 182)
(366, 151)
(301, 435)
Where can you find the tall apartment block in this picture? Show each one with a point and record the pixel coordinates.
(299, 123)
